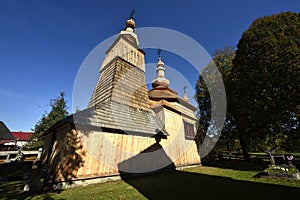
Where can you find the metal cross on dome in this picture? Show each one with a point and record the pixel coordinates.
(131, 14)
(184, 89)
(159, 52)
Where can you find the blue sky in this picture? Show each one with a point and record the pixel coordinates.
(43, 43)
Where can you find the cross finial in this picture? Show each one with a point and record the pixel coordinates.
(185, 96)
(131, 14)
(184, 89)
(158, 51)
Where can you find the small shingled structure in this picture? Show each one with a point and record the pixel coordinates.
(5, 134)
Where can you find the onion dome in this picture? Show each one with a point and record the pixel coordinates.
(130, 23)
(160, 80)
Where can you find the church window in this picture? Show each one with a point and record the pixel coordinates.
(189, 130)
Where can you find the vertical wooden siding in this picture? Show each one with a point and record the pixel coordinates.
(83, 154)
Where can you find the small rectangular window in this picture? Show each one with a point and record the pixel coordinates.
(189, 130)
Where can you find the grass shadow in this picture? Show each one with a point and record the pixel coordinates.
(13, 178)
(187, 185)
(241, 165)
(15, 175)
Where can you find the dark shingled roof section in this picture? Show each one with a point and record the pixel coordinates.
(121, 82)
(5, 132)
(161, 93)
(113, 117)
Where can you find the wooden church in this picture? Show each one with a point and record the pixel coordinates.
(125, 128)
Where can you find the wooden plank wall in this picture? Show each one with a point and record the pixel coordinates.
(182, 151)
(83, 154)
(104, 151)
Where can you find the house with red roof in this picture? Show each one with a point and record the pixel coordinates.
(13, 139)
(22, 138)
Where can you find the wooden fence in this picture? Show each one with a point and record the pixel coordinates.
(29, 155)
(259, 156)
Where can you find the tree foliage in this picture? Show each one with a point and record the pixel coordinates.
(222, 59)
(262, 87)
(265, 82)
(57, 113)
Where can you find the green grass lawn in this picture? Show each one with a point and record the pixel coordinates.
(224, 180)
(244, 176)
(193, 183)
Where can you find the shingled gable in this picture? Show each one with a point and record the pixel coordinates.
(5, 133)
(129, 39)
(118, 82)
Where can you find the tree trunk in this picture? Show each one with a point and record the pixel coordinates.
(244, 147)
(244, 140)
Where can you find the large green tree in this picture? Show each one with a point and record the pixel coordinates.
(222, 58)
(265, 82)
(58, 112)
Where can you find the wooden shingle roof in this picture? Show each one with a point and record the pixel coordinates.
(116, 117)
(5, 132)
(121, 82)
(162, 93)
